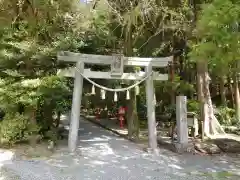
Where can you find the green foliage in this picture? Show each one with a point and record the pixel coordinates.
(217, 43)
(226, 115)
(13, 93)
(218, 35)
(52, 135)
(171, 111)
(182, 87)
(177, 85)
(15, 128)
(50, 89)
(193, 106)
(54, 90)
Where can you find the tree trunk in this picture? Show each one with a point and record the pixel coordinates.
(48, 115)
(200, 95)
(211, 124)
(132, 117)
(58, 119)
(30, 111)
(172, 68)
(223, 91)
(231, 90)
(214, 126)
(237, 97)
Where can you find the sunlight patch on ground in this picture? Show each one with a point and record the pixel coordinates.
(5, 155)
(96, 139)
(106, 149)
(97, 149)
(99, 162)
(175, 166)
(56, 163)
(124, 132)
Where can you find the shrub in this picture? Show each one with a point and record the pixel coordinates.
(226, 115)
(170, 110)
(15, 128)
(193, 106)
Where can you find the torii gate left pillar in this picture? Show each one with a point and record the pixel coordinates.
(76, 106)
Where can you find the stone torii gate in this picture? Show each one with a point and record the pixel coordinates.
(117, 63)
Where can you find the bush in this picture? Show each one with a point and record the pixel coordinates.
(170, 110)
(193, 106)
(226, 115)
(16, 128)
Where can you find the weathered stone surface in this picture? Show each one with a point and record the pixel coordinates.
(176, 147)
(7, 174)
(166, 143)
(207, 148)
(228, 145)
(184, 148)
(199, 148)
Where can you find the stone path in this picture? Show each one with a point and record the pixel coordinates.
(102, 155)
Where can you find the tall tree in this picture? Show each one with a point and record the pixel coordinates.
(217, 44)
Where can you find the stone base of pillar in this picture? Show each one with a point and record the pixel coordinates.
(152, 151)
(183, 147)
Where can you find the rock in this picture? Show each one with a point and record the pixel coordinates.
(199, 148)
(166, 143)
(214, 149)
(228, 145)
(51, 145)
(184, 148)
(207, 148)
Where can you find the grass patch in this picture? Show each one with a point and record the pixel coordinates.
(221, 175)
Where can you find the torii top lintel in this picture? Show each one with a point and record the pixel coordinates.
(107, 60)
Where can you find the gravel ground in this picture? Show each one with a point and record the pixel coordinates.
(102, 155)
(8, 174)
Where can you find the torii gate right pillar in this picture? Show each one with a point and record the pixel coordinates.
(152, 132)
